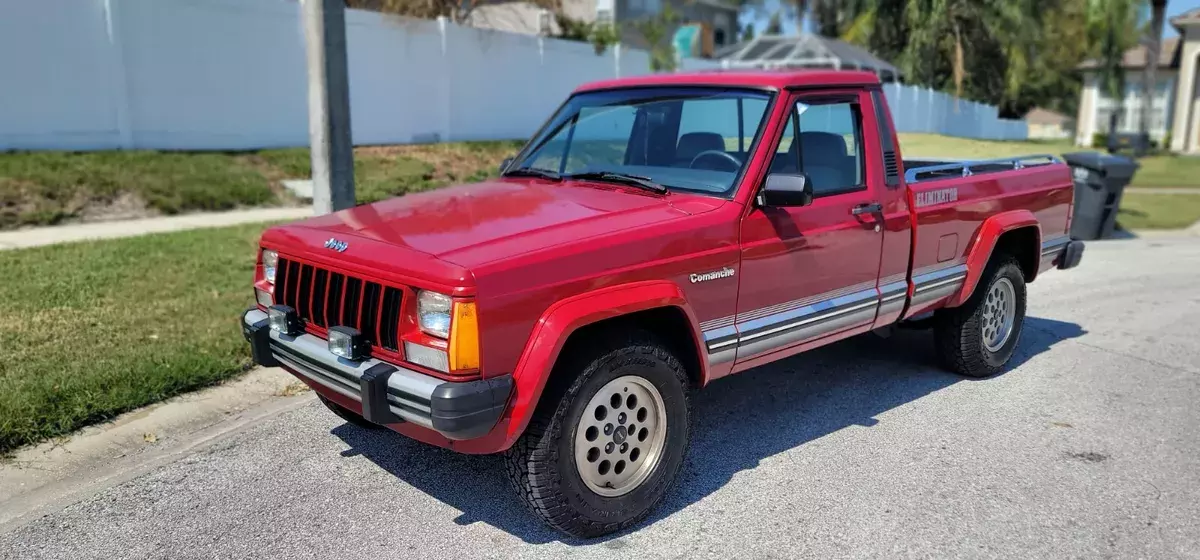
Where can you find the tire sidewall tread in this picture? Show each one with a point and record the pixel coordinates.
(957, 333)
(541, 465)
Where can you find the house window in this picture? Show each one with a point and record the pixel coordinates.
(719, 37)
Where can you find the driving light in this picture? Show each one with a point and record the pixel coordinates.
(348, 343)
(283, 320)
(433, 313)
(270, 260)
(431, 358)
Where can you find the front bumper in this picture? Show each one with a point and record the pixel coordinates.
(388, 393)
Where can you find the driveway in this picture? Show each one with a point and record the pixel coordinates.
(1088, 447)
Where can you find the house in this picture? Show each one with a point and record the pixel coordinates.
(1048, 125)
(1175, 104)
(717, 19)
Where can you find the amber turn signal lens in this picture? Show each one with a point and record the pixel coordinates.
(464, 337)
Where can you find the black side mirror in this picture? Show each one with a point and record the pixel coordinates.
(504, 164)
(786, 189)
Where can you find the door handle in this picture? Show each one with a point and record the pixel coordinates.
(872, 208)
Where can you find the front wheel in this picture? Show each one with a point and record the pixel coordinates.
(601, 454)
(978, 338)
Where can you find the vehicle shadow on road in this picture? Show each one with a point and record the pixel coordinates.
(739, 422)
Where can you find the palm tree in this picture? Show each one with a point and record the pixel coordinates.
(1158, 10)
(1112, 30)
(992, 37)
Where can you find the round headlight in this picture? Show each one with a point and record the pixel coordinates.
(270, 260)
(433, 313)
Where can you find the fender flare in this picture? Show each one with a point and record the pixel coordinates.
(984, 242)
(566, 316)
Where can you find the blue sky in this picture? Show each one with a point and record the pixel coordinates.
(760, 17)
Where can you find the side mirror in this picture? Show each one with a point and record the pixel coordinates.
(504, 164)
(786, 189)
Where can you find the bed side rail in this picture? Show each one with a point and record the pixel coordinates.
(973, 167)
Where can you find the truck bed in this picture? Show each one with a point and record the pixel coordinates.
(951, 199)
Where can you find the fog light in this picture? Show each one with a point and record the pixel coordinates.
(348, 343)
(284, 320)
(264, 297)
(431, 358)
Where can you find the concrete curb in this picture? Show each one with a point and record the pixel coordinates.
(51, 475)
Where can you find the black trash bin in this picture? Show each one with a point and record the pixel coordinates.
(1100, 180)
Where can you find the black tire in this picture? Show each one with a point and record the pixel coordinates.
(958, 332)
(348, 415)
(541, 465)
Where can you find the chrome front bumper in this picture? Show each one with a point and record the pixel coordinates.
(388, 393)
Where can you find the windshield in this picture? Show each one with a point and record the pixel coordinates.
(691, 139)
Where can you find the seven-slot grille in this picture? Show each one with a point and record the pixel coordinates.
(328, 299)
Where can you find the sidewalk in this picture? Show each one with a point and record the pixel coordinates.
(1163, 190)
(35, 237)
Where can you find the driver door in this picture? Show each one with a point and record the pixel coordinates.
(809, 273)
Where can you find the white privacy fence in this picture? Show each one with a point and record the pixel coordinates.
(917, 109)
(230, 74)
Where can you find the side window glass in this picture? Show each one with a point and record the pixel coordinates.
(831, 146)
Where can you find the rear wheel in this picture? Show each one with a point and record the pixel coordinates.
(602, 452)
(978, 338)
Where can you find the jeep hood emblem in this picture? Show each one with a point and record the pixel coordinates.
(336, 244)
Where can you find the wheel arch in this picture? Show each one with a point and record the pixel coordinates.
(1015, 232)
(659, 305)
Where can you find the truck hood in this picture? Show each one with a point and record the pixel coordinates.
(474, 224)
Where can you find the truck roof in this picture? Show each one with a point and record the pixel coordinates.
(774, 79)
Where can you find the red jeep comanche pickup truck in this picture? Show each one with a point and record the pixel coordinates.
(658, 233)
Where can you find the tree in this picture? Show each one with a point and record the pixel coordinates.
(1158, 10)
(1112, 29)
(655, 30)
(748, 32)
(880, 28)
(455, 10)
(774, 25)
(600, 35)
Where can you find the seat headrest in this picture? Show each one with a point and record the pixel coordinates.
(693, 143)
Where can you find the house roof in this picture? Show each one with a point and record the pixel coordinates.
(804, 50)
(1045, 116)
(1190, 17)
(1168, 55)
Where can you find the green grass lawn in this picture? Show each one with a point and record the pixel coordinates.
(1158, 211)
(1155, 171)
(46, 188)
(90, 330)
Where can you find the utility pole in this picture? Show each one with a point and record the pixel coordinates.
(328, 105)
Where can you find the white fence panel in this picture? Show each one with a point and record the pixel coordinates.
(230, 74)
(213, 74)
(59, 78)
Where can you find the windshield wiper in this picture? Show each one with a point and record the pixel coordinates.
(623, 178)
(533, 172)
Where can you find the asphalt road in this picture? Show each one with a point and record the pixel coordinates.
(1086, 448)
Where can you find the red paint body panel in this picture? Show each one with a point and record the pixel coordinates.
(542, 259)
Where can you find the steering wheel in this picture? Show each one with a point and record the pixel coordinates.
(725, 158)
